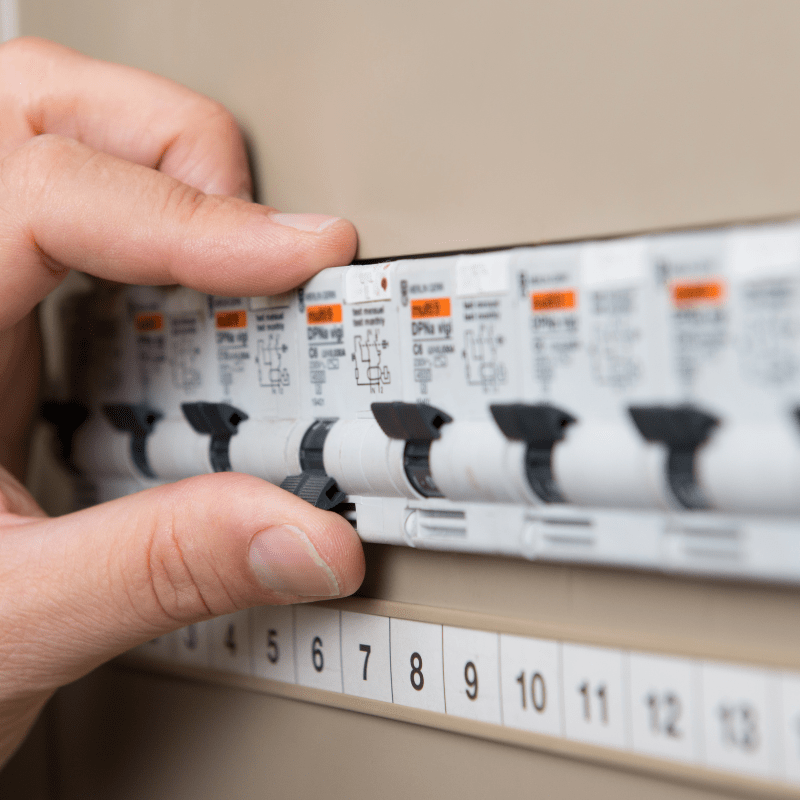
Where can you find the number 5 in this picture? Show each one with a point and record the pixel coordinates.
(365, 648)
(273, 653)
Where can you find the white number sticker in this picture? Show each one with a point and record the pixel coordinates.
(192, 645)
(664, 706)
(272, 642)
(230, 642)
(790, 706)
(472, 674)
(738, 719)
(417, 664)
(365, 656)
(318, 647)
(531, 681)
(593, 695)
(161, 648)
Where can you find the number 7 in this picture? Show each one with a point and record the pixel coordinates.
(365, 648)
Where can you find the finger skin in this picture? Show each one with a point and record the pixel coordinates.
(66, 206)
(79, 589)
(128, 113)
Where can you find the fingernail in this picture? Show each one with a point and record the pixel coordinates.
(285, 561)
(315, 223)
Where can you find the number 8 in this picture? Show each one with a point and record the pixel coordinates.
(417, 679)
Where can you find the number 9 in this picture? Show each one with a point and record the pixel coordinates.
(471, 677)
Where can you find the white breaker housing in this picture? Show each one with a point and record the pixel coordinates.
(631, 402)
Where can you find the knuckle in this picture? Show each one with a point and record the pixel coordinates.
(217, 115)
(171, 585)
(180, 203)
(30, 169)
(178, 578)
(16, 55)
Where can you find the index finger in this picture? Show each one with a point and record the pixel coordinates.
(122, 111)
(66, 206)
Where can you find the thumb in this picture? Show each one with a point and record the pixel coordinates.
(79, 589)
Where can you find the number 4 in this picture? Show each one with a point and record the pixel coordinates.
(365, 648)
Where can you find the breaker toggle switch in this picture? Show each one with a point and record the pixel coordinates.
(137, 419)
(682, 429)
(313, 484)
(316, 488)
(220, 421)
(66, 417)
(540, 426)
(418, 425)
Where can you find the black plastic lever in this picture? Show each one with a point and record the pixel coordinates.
(540, 426)
(682, 429)
(66, 417)
(220, 421)
(313, 484)
(315, 487)
(418, 424)
(137, 419)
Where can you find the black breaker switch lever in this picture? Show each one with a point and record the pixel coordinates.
(418, 425)
(139, 420)
(540, 426)
(66, 417)
(220, 421)
(313, 484)
(682, 429)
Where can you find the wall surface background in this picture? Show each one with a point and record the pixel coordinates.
(445, 126)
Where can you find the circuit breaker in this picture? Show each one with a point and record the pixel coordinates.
(630, 402)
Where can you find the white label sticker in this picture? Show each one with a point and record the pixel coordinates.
(665, 708)
(531, 684)
(417, 664)
(738, 719)
(192, 645)
(162, 648)
(272, 642)
(790, 708)
(472, 674)
(765, 251)
(230, 642)
(367, 283)
(482, 273)
(594, 695)
(318, 650)
(605, 263)
(366, 671)
(283, 300)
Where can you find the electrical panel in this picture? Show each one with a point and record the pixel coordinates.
(631, 402)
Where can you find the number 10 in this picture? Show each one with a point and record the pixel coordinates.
(538, 691)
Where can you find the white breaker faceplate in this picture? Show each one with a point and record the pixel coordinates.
(631, 402)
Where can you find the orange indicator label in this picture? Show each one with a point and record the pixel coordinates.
(321, 315)
(145, 323)
(553, 301)
(685, 294)
(435, 307)
(232, 319)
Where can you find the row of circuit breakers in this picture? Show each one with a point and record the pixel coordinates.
(632, 402)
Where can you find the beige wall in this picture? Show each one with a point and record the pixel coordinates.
(442, 126)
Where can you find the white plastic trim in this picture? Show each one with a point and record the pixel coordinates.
(9, 19)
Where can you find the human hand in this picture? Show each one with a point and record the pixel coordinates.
(132, 178)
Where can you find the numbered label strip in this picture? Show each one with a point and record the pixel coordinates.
(723, 716)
